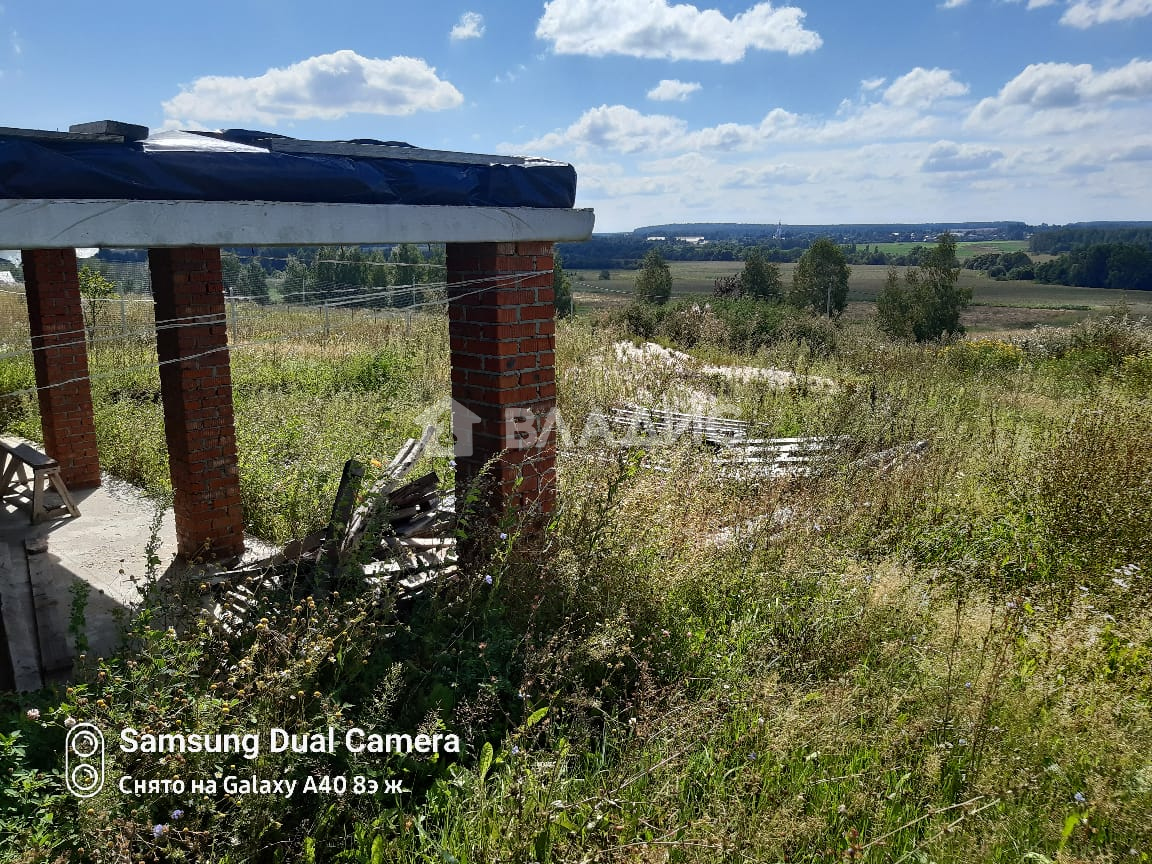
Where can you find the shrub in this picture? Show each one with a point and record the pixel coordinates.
(983, 354)
(926, 303)
(654, 281)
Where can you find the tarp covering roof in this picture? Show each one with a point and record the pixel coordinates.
(243, 165)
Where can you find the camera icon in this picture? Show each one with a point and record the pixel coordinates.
(84, 760)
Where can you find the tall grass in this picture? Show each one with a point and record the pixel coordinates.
(948, 659)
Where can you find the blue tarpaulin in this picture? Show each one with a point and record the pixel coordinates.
(239, 165)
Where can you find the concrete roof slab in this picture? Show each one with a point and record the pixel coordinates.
(51, 223)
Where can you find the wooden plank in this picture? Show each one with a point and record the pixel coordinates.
(414, 454)
(345, 502)
(429, 542)
(415, 526)
(52, 603)
(19, 617)
(415, 491)
(30, 456)
(403, 514)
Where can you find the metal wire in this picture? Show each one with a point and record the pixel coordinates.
(493, 282)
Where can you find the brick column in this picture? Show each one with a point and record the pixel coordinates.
(61, 355)
(196, 386)
(502, 331)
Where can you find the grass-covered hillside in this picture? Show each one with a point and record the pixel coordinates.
(940, 658)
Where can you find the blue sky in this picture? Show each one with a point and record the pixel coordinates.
(823, 111)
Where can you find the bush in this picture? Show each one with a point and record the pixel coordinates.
(926, 302)
(745, 325)
(983, 354)
(654, 281)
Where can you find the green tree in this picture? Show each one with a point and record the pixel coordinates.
(820, 280)
(760, 278)
(897, 303)
(230, 268)
(407, 260)
(253, 282)
(927, 301)
(295, 274)
(654, 282)
(95, 290)
(562, 288)
(730, 287)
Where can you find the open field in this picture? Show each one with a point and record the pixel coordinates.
(941, 657)
(964, 248)
(996, 306)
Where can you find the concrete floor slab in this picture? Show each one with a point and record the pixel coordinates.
(107, 548)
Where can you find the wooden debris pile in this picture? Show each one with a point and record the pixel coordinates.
(410, 525)
(737, 449)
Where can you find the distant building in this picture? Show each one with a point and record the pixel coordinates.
(655, 239)
(695, 241)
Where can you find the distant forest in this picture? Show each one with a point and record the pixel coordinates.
(1108, 255)
(781, 244)
(1092, 255)
(1053, 241)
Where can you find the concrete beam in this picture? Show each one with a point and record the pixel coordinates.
(46, 223)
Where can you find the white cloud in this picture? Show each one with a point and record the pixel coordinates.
(1061, 87)
(724, 136)
(950, 156)
(1086, 13)
(617, 128)
(328, 86)
(1083, 14)
(953, 4)
(470, 26)
(921, 87)
(905, 111)
(757, 177)
(671, 90)
(870, 84)
(655, 29)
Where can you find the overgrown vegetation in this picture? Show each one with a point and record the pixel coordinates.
(820, 280)
(949, 660)
(925, 302)
(654, 281)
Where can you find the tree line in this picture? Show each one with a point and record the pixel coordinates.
(1053, 241)
(1126, 266)
(326, 273)
(922, 302)
(627, 251)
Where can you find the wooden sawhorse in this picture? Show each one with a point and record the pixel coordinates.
(45, 471)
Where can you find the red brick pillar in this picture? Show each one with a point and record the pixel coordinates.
(196, 386)
(502, 329)
(60, 356)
